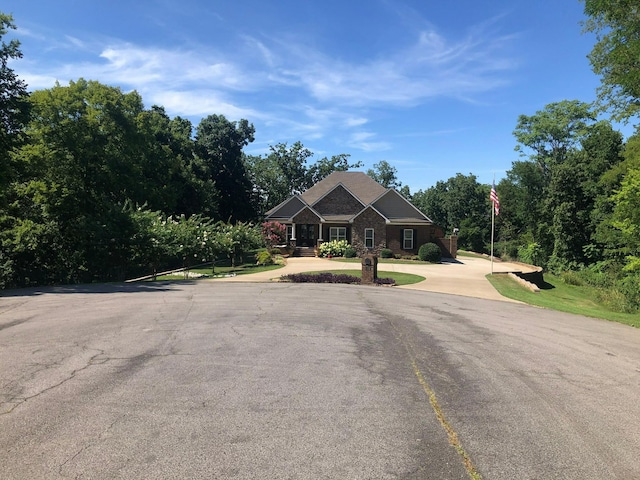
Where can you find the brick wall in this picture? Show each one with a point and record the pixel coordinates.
(338, 202)
(306, 216)
(369, 219)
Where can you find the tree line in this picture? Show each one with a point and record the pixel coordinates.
(94, 186)
(571, 203)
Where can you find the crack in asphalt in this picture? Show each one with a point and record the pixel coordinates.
(89, 445)
(97, 359)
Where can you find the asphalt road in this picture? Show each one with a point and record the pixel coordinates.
(283, 381)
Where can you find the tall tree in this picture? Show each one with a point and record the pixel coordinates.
(14, 102)
(385, 174)
(553, 132)
(459, 202)
(219, 143)
(278, 175)
(325, 166)
(85, 160)
(615, 55)
(284, 172)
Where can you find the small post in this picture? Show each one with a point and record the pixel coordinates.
(369, 269)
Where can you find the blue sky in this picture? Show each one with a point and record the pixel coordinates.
(434, 88)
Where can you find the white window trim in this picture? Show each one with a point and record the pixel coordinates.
(369, 240)
(335, 233)
(406, 239)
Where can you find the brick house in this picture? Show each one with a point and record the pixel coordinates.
(352, 206)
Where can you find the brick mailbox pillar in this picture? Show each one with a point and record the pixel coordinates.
(369, 269)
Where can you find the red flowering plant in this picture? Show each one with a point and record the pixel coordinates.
(274, 233)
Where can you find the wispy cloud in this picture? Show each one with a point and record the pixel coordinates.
(285, 84)
(365, 141)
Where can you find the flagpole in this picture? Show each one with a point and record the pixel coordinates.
(493, 225)
(493, 218)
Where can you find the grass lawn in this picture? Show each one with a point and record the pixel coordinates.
(463, 253)
(222, 270)
(557, 295)
(400, 278)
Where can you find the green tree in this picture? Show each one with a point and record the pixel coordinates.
(553, 132)
(284, 172)
(219, 143)
(278, 175)
(14, 104)
(614, 57)
(325, 166)
(460, 202)
(385, 174)
(626, 214)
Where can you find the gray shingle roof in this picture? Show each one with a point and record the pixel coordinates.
(362, 186)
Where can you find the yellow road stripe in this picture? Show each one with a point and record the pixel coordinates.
(453, 437)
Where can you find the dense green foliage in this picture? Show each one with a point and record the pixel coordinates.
(615, 55)
(96, 187)
(284, 172)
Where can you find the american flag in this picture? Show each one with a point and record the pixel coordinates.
(494, 199)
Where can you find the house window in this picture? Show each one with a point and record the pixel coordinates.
(289, 233)
(407, 239)
(337, 233)
(368, 237)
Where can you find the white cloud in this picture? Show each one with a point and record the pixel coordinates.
(201, 103)
(362, 141)
(295, 91)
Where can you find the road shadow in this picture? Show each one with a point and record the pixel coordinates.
(98, 288)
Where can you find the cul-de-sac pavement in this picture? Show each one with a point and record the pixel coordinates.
(254, 379)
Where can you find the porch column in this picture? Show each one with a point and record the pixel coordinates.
(320, 232)
(293, 231)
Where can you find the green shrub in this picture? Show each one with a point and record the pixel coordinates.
(386, 253)
(630, 288)
(572, 278)
(335, 248)
(533, 254)
(350, 252)
(264, 258)
(429, 252)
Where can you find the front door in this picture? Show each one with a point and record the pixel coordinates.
(307, 235)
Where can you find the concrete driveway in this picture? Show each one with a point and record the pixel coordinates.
(464, 276)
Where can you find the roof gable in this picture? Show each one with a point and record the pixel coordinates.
(395, 207)
(338, 201)
(359, 184)
(286, 209)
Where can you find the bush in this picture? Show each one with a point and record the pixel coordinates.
(335, 248)
(533, 254)
(264, 258)
(430, 252)
(350, 252)
(630, 288)
(386, 253)
(572, 278)
(324, 277)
